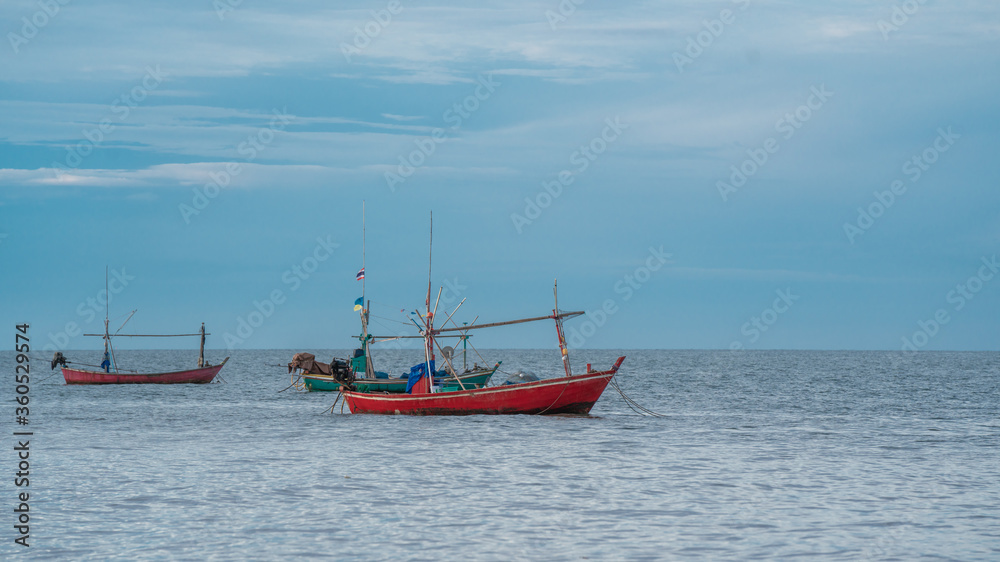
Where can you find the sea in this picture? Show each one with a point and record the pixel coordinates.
(773, 455)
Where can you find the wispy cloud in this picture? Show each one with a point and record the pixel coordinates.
(402, 117)
(172, 175)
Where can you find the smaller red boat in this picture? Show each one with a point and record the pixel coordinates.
(110, 373)
(194, 376)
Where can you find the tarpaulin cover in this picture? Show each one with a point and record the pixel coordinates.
(307, 363)
(416, 373)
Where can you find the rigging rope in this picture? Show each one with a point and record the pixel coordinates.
(387, 328)
(407, 324)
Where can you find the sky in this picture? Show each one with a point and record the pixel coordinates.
(712, 175)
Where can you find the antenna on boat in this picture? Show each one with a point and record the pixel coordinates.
(365, 305)
(430, 256)
(363, 235)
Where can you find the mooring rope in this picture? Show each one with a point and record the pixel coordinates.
(50, 376)
(339, 394)
(633, 405)
(291, 385)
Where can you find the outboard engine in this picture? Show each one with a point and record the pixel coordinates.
(58, 359)
(521, 376)
(342, 372)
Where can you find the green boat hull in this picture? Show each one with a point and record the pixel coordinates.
(476, 381)
(321, 383)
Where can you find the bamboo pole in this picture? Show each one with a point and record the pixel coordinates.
(151, 335)
(445, 323)
(429, 320)
(450, 366)
(561, 316)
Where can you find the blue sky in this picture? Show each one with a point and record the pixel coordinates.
(206, 150)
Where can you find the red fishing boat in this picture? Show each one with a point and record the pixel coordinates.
(566, 395)
(110, 373)
(572, 394)
(194, 376)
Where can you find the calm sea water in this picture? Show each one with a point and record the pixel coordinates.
(825, 455)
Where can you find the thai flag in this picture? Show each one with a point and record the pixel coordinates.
(361, 274)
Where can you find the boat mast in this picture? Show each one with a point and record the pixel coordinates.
(369, 367)
(201, 351)
(429, 319)
(559, 330)
(363, 252)
(107, 334)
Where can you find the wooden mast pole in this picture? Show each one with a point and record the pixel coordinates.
(201, 350)
(107, 341)
(559, 330)
(107, 334)
(429, 319)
